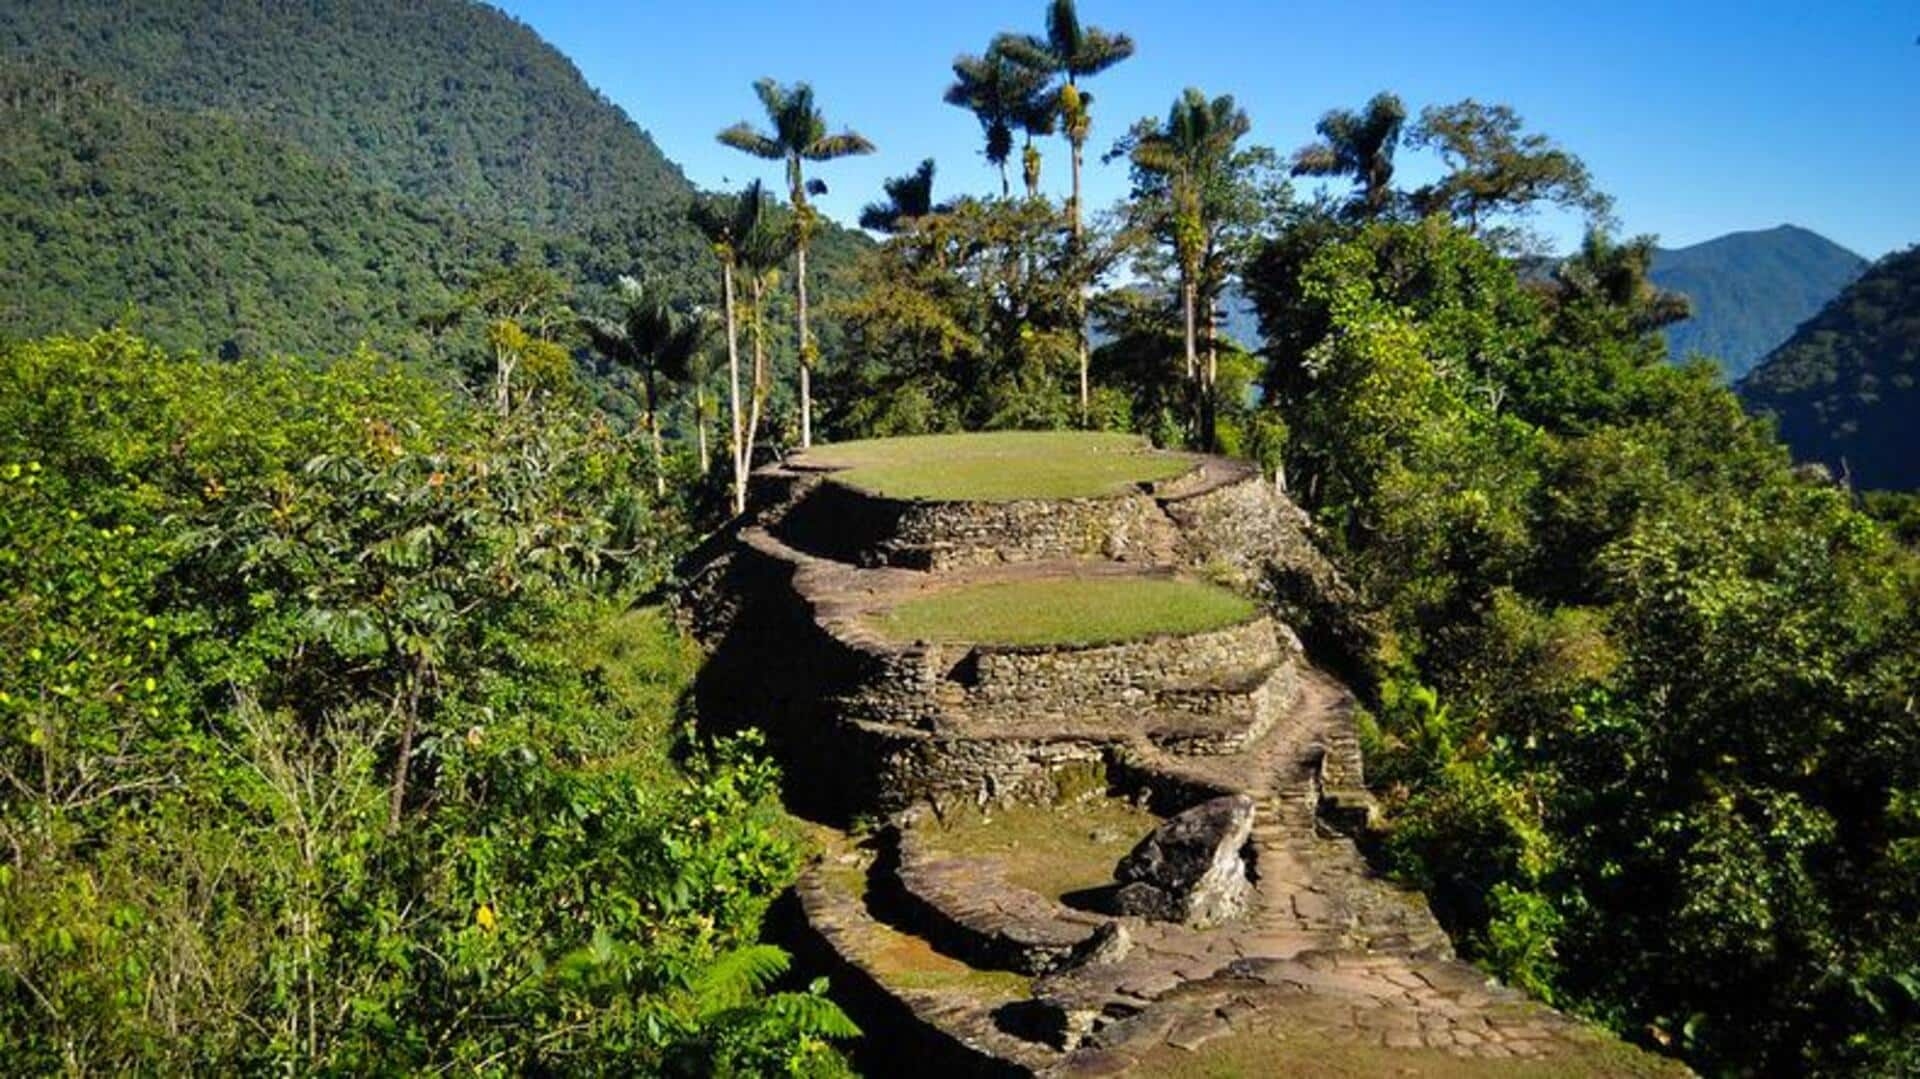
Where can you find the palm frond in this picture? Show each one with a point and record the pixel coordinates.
(772, 97)
(743, 137)
(845, 144)
(1317, 159)
(1099, 51)
(1027, 51)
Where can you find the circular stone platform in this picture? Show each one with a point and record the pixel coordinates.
(1062, 610)
(998, 466)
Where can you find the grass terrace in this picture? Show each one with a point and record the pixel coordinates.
(1057, 851)
(1062, 610)
(1000, 466)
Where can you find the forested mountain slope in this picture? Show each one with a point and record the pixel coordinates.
(1844, 386)
(1749, 290)
(434, 98)
(201, 230)
(307, 176)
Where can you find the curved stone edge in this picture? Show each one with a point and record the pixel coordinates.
(967, 907)
(958, 1031)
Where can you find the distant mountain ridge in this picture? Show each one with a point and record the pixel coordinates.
(1846, 387)
(1750, 290)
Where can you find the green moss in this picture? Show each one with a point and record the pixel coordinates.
(1000, 466)
(1053, 850)
(1089, 610)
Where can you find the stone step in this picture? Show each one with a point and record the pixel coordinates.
(967, 907)
(969, 1020)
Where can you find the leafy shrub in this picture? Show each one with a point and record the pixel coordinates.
(330, 742)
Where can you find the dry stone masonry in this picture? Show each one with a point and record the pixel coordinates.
(1239, 921)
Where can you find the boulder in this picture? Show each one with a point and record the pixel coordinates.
(1190, 869)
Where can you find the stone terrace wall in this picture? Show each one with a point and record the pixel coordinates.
(839, 522)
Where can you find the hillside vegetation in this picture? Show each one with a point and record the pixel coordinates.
(243, 178)
(434, 99)
(329, 737)
(1846, 386)
(203, 230)
(1749, 290)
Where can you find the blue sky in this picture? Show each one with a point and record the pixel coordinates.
(1700, 118)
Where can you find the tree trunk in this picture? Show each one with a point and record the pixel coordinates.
(1079, 292)
(700, 428)
(757, 395)
(733, 393)
(410, 723)
(1186, 310)
(503, 364)
(653, 437)
(806, 352)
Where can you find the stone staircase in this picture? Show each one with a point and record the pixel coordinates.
(969, 923)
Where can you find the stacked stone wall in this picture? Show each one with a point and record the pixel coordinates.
(839, 522)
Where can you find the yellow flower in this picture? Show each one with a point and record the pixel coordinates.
(484, 917)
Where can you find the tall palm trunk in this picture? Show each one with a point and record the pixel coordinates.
(700, 428)
(1186, 309)
(758, 392)
(1079, 293)
(806, 351)
(653, 437)
(733, 392)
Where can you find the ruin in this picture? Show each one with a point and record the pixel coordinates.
(977, 796)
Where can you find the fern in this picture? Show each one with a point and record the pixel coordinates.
(812, 1014)
(733, 978)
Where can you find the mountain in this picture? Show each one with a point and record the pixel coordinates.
(436, 99)
(304, 176)
(1750, 289)
(1846, 386)
(202, 230)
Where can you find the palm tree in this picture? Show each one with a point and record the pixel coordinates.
(998, 92)
(1076, 52)
(1358, 145)
(1192, 151)
(799, 134)
(699, 374)
(1037, 114)
(761, 251)
(727, 224)
(637, 341)
(909, 198)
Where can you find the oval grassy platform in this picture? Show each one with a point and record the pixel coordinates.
(1063, 611)
(999, 466)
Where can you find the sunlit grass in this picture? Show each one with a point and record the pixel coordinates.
(1000, 466)
(1063, 610)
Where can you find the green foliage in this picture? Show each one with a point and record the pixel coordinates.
(330, 744)
(1647, 732)
(1498, 174)
(965, 323)
(1845, 386)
